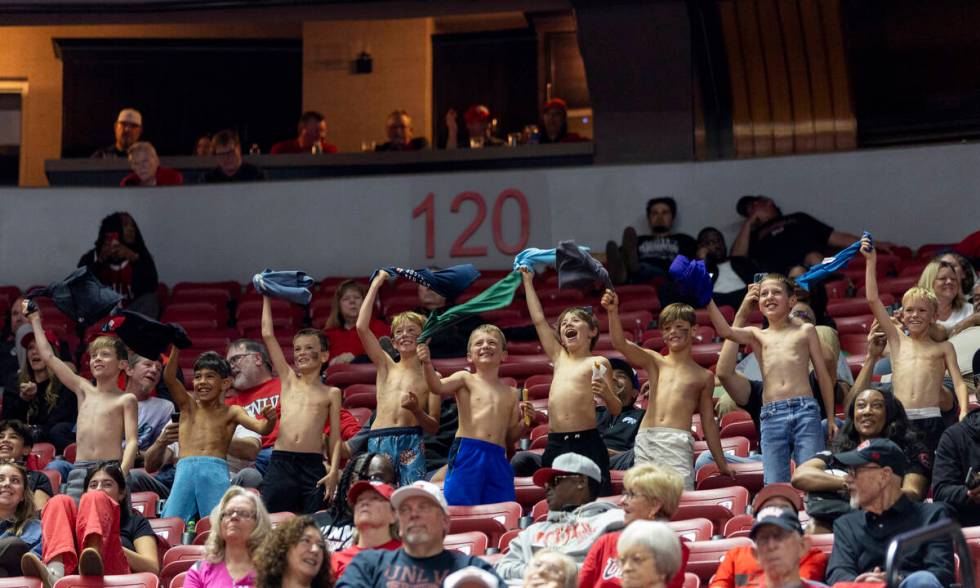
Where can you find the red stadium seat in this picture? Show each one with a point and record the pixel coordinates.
(836, 289)
(697, 529)
(736, 416)
(44, 453)
(706, 555)
(691, 580)
(21, 582)
(929, 250)
(343, 379)
(143, 580)
(528, 493)
(504, 544)
(178, 581)
(538, 379)
(539, 431)
(823, 541)
(367, 400)
(854, 324)
(635, 321)
(361, 414)
(737, 445)
(717, 505)
(69, 453)
(170, 529)
(739, 526)
(747, 475)
(523, 348)
(913, 268)
(54, 476)
(234, 289)
(360, 389)
(178, 553)
(524, 369)
(170, 571)
(470, 543)
(847, 307)
(616, 479)
(451, 365)
(493, 520)
(145, 503)
(540, 510)
(855, 361)
(538, 391)
(894, 286)
(854, 344)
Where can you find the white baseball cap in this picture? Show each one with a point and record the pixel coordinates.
(471, 576)
(423, 489)
(568, 463)
(131, 116)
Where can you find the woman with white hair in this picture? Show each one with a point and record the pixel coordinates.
(239, 523)
(649, 554)
(147, 171)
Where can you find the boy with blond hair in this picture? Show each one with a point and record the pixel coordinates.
(579, 378)
(918, 362)
(296, 468)
(790, 421)
(400, 420)
(682, 389)
(490, 416)
(106, 415)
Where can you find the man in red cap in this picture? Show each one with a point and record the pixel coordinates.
(740, 567)
(374, 518)
(554, 120)
(477, 119)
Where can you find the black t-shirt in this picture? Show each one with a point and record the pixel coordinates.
(246, 173)
(39, 481)
(132, 527)
(784, 241)
(619, 432)
(397, 569)
(337, 532)
(660, 250)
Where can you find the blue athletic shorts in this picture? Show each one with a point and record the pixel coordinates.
(478, 473)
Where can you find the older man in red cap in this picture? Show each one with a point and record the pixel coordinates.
(554, 120)
(740, 567)
(478, 120)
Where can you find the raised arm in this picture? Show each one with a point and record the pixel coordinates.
(279, 362)
(62, 370)
(178, 393)
(604, 388)
(959, 386)
(740, 246)
(370, 342)
(871, 293)
(633, 353)
(545, 333)
(739, 335)
(737, 385)
(706, 408)
(132, 449)
(876, 346)
(823, 378)
(441, 386)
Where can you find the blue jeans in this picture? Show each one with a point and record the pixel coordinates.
(262, 459)
(920, 580)
(790, 429)
(61, 466)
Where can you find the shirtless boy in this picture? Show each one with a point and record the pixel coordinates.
(399, 421)
(918, 362)
(106, 415)
(296, 469)
(207, 425)
(571, 404)
(790, 416)
(683, 388)
(489, 417)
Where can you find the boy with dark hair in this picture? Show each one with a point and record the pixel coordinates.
(16, 441)
(296, 469)
(579, 377)
(790, 417)
(682, 389)
(207, 426)
(106, 415)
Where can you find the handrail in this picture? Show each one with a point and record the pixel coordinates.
(918, 536)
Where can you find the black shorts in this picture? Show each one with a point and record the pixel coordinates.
(588, 443)
(930, 430)
(289, 483)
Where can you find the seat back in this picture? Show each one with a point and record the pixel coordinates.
(491, 519)
(142, 580)
(469, 543)
(170, 529)
(706, 555)
(145, 503)
(698, 529)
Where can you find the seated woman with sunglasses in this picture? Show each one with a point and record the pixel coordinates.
(241, 522)
(102, 534)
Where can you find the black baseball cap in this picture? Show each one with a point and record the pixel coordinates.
(880, 451)
(784, 518)
(746, 202)
(623, 366)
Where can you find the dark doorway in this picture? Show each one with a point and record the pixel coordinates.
(184, 88)
(10, 139)
(497, 69)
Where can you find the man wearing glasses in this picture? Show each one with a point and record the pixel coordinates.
(575, 520)
(875, 471)
(228, 149)
(779, 547)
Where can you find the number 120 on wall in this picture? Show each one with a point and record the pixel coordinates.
(462, 247)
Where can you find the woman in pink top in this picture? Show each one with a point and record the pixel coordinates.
(239, 524)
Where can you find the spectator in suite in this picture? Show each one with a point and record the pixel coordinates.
(650, 554)
(239, 523)
(554, 122)
(398, 128)
(345, 345)
(641, 259)
(294, 555)
(575, 519)
(477, 119)
(423, 522)
(740, 566)
(121, 261)
(312, 135)
(128, 128)
(957, 454)
(202, 147)
(20, 531)
(652, 493)
(15, 446)
(780, 546)
(861, 538)
(147, 171)
(228, 149)
(374, 519)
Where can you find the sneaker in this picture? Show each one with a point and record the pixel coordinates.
(90, 563)
(32, 567)
(631, 250)
(614, 261)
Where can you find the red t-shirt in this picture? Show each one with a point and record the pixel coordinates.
(165, 177)
(739, 567)
(601, 566)
(292, 146)
(346, 340)
(340, 559)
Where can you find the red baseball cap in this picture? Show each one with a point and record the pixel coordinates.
(28, 338)
(475, 113)
(555, 103)
(782, 490)
(380, 487)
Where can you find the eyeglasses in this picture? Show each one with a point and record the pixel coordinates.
(555, 481)
(309, 543)
(238, 513)
(636, 559)
(234, 359)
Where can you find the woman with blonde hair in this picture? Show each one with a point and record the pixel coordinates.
(940, 278)
(345, 345)
(652, 493)
(239, 523)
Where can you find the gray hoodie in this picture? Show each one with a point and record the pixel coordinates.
(571, 533)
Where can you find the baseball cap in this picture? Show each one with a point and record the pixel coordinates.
(623, 366)
(568, 463)
(422, 489)
(783, 518)
(471, 576)
(782, 490)
(477, 112)
(554, 103)
(131, 116)
(744, 203)
(48, 334)
(380, 487)
(879, 451)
